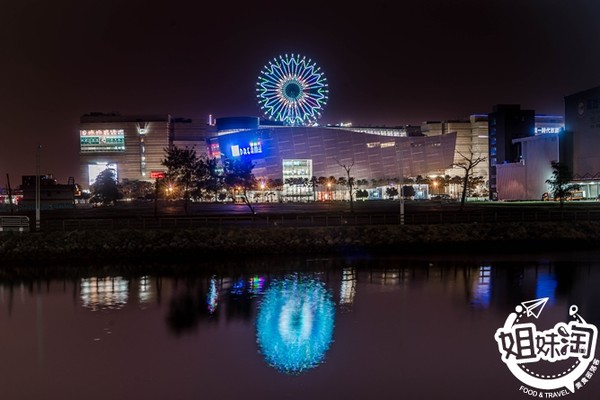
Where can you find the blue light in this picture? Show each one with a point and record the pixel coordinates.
(546, 286)
(295, 324)
(482, 292)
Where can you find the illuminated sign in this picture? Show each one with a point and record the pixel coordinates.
(101, 140)
(253, 147)
(545, 129)
(157, 174)
(95, 169)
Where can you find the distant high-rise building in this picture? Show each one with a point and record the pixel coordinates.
(581, 140)
(505, 123)
(471, 138)
(132, 145)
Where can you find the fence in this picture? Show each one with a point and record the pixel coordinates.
(298, 220)
(14, 223)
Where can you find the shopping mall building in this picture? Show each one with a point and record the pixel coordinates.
(519, 156)
(135, 145)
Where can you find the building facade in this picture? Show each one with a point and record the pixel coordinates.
(505, 123)
(471, 140)
(526, 179)
(280, 152)
(133, 145)
(581, 139)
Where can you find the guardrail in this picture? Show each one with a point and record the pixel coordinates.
(14, 223)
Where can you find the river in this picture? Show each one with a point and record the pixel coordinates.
(303, 328)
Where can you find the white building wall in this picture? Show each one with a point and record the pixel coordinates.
(526, 180)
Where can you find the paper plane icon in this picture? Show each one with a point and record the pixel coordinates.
(535, 307)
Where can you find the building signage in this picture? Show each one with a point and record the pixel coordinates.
(254, 147)
(96, 169)
(102, 140)
(157, 174)
(547, 129)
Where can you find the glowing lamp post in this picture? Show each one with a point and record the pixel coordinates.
(401, 191)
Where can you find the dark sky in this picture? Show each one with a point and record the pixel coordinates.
(386, 62)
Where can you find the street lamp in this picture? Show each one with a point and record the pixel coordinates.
(401, 192)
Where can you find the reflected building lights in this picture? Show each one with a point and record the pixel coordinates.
(545, 286)
(348, 287)
(295, 324)
(482, 287)
(104, 293)
(144, 293)
(256, 285)
(253, 285)
(212, 296)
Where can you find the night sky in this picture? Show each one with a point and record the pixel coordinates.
(387, 62)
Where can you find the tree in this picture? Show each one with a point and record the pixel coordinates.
(391, 191)
(208, 179)
(349, 182)
(136, 189)
(560, 183)
(362, 194)
(105, 189)
(238, 176)
(277, 185)
(314, 182)
(182, 167)
(468, 163)
(408, 191)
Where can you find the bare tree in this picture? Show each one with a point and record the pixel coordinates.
(349, 181)
(468, 163)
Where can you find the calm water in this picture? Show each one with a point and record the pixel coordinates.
(297, 329)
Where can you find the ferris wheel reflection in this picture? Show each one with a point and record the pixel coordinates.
(295, 324)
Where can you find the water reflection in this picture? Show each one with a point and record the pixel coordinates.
(212, 331)
(482, 291)
(103, 293)
(213, 295)
(546, 286)
(348, 287)
(295, 323)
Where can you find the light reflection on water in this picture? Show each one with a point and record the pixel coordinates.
(295, 323)
(104, 293)
(362, 322)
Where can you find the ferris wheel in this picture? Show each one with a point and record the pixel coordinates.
(292, 90)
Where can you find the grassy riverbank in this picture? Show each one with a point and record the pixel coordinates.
(230, 243)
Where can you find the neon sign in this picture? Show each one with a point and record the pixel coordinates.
(254, 147)
(102, 140)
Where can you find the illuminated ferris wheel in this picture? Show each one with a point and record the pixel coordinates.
(292, 90)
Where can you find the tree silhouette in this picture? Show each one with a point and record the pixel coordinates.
(348, 181)
(105, 189)
(468, 163)
(238, 176)
(560, 183)
(182, 165)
